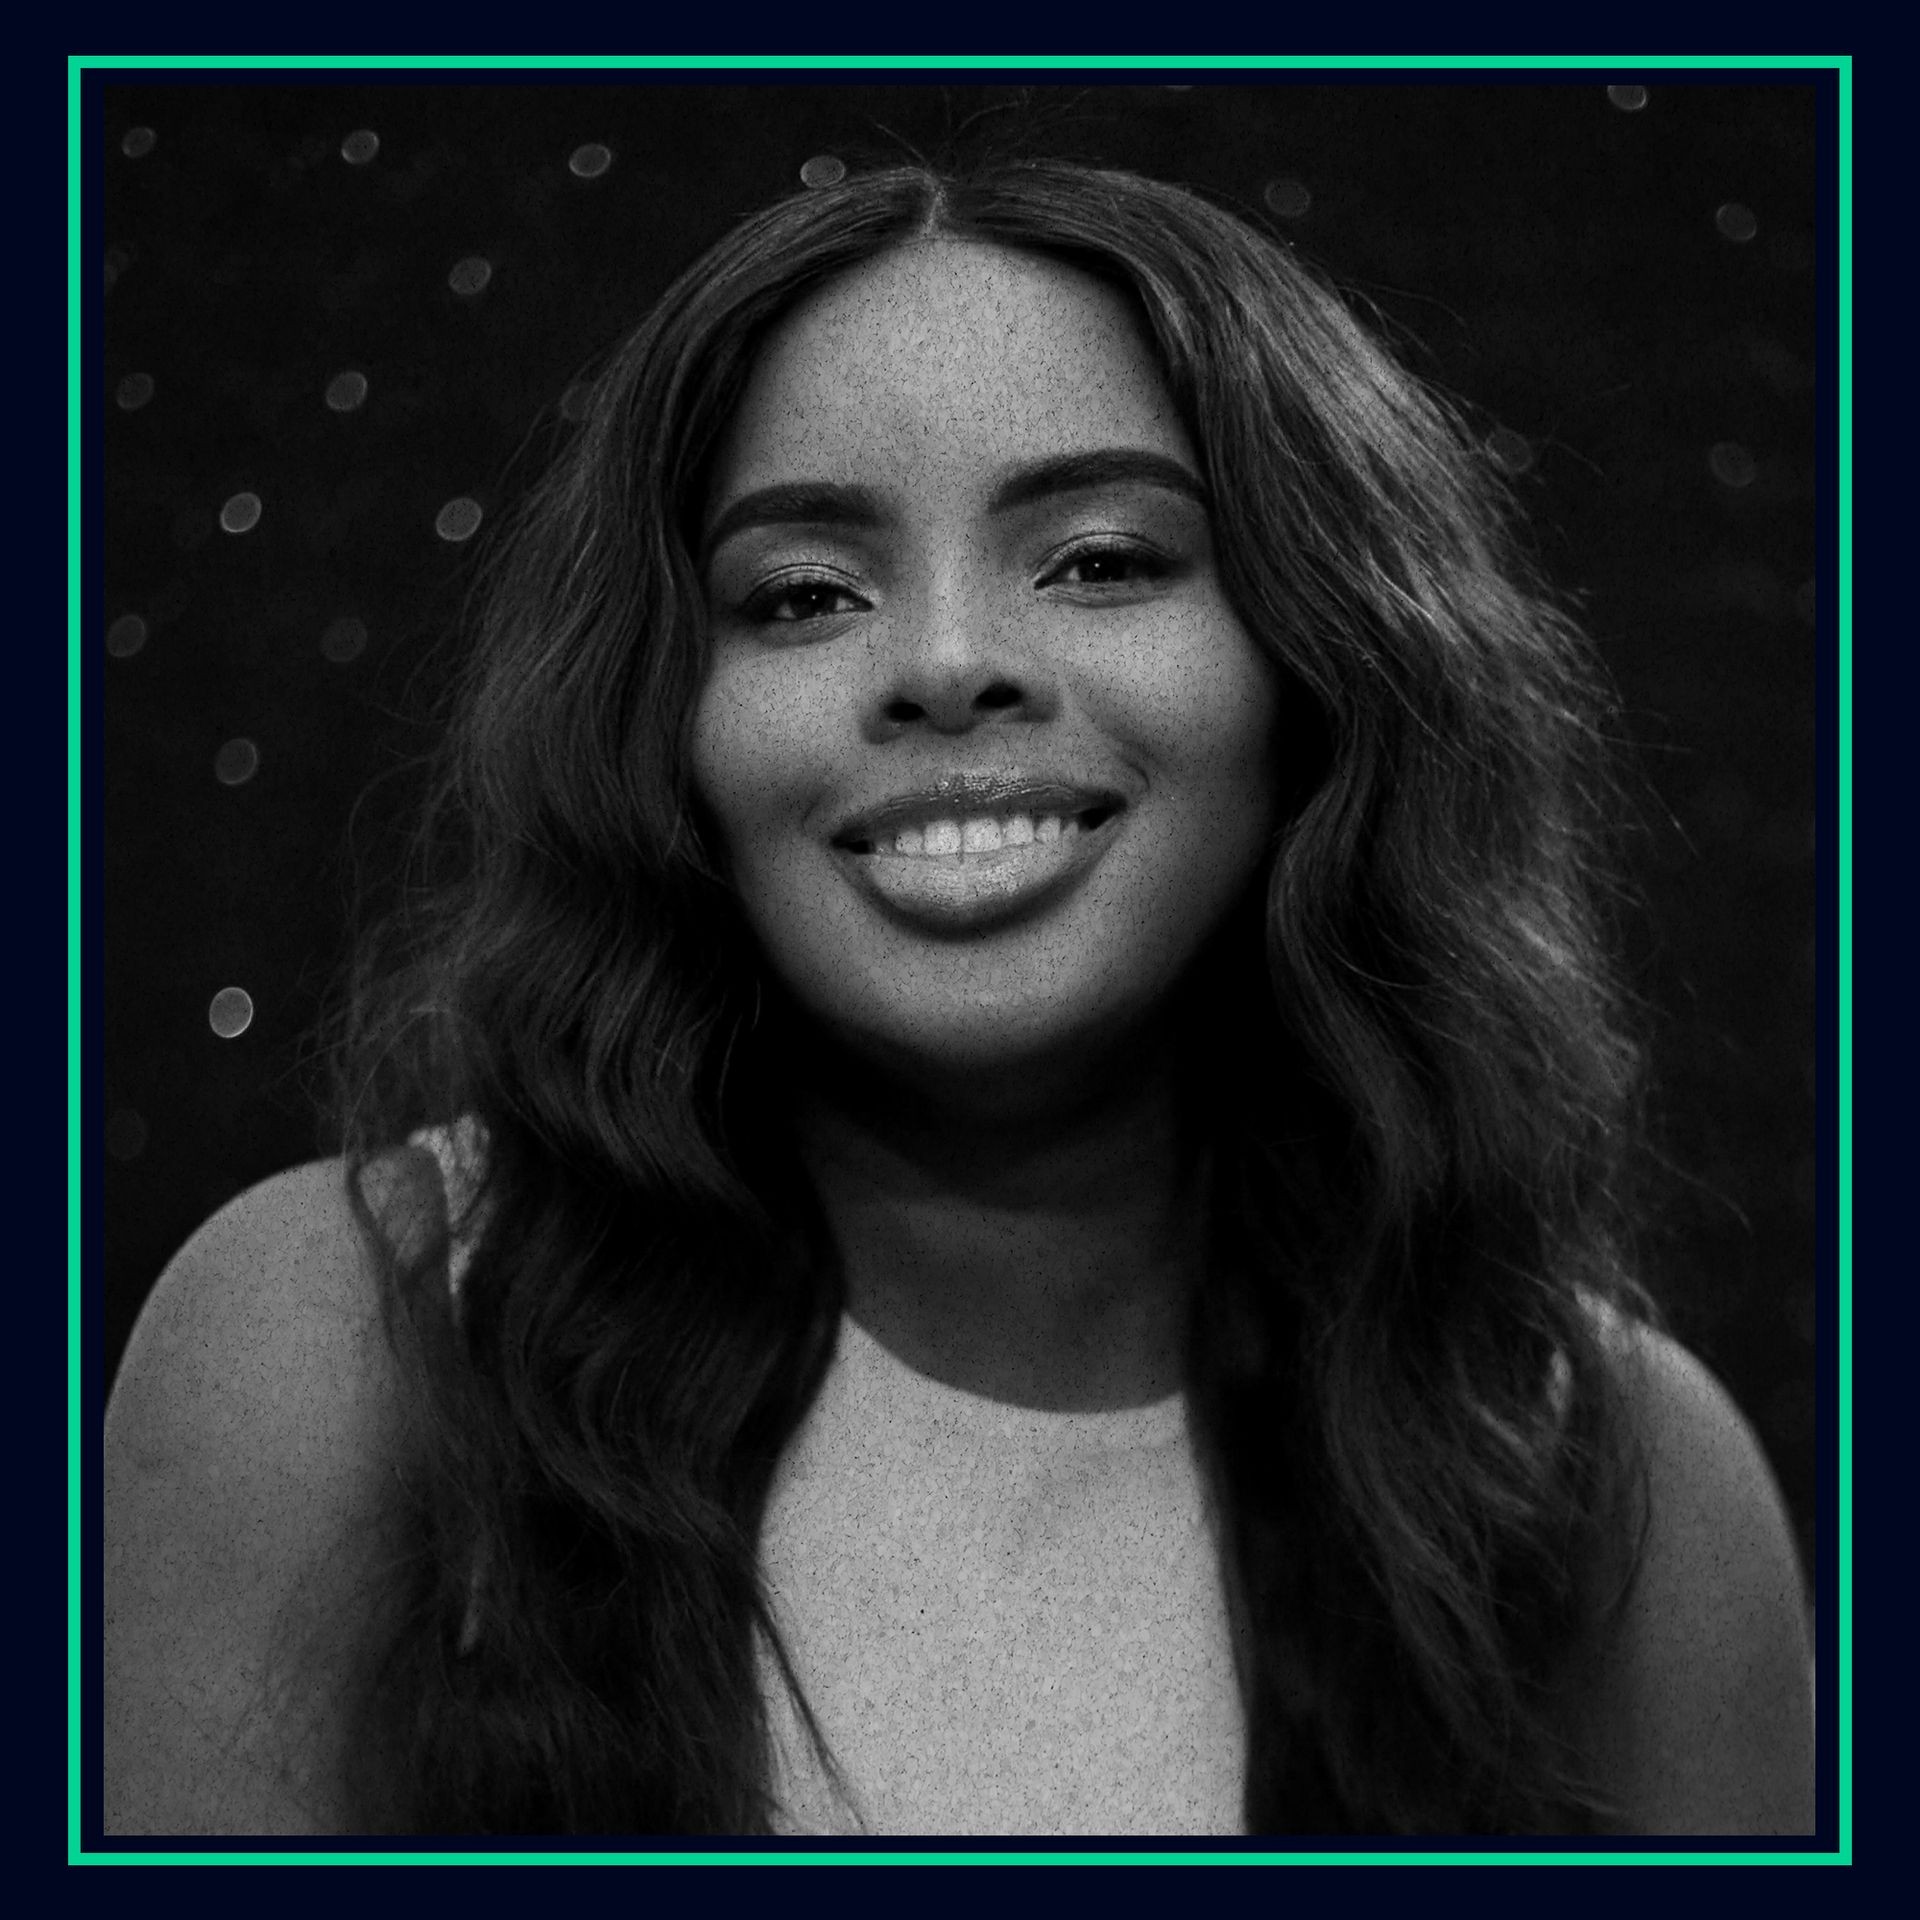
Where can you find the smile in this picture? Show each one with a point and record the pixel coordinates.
(965, 873)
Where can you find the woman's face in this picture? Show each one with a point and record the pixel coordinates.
(988, 749)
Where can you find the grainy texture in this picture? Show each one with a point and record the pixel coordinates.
(1006, 1620)
(296, 316)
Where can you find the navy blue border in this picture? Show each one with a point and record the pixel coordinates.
(1878, 806)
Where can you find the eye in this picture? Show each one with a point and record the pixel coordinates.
(787, 602)
(1109, 565)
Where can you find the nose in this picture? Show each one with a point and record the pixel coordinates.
(956, 668)
(952, 702)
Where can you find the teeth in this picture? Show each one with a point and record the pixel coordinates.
(982, 835)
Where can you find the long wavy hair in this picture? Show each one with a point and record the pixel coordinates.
(1412, 1065)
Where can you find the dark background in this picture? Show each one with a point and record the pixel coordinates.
(1623, 286)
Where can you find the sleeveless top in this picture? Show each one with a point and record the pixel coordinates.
(1004, 1620)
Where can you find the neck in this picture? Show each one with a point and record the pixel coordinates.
(1038, 1249)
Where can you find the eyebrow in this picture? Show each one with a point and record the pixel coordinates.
(827, 503)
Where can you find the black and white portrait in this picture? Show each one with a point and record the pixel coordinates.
(960, 960)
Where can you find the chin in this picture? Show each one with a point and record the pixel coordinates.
(1018, 1039)
(1043, 1001)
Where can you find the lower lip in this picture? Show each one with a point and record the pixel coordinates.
(965, 892)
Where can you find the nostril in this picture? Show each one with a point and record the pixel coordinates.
(1003, 693)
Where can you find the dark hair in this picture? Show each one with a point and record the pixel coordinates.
(1419, 1093)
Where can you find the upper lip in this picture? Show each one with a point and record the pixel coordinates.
(972, 793)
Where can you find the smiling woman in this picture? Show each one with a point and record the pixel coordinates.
(988, 1192)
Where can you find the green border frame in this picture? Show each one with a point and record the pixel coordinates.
(1250, 64)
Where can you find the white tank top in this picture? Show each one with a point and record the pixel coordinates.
(1005, 1621)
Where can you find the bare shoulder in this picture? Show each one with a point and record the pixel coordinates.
(1703, 1703)
(253, 1440)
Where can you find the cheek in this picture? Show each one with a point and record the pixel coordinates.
(1205, 711)
(757, 767)
(748, 760)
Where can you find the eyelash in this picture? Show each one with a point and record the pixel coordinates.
(1154, 566)
(760, 606)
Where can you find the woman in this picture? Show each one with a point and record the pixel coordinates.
(990, 1191)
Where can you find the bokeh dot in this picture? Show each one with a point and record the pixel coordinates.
(241, 514)
(1288, 198)
(231, 1012)
(133, 392)
(575, 401)
(1805, 603)
(359, 146)
(1628, 99)
(590, 161)
(126, 1134)
(458, 519)
(345, 391)
(470, 276)
(138, 142)
(126, 636)
(823, 170)
(344, 640)
(1736, 223)
(236, 763)
(1732, 464)
(1511, 452)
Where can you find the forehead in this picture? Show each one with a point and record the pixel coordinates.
(940, 361)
